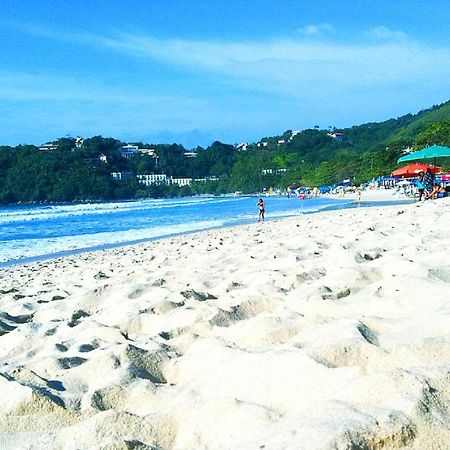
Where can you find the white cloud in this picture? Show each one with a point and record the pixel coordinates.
(383, 33)
(316, 30)
(296, 67)
(286, 66)
(262, 81)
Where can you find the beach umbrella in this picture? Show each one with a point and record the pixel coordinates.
(412, 170)
(427, 154)
(445, 177)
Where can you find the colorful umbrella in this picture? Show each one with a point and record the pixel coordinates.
(412, 170)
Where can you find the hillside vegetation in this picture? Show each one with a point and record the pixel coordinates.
(312, 157)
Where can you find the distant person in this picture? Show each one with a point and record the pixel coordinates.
(262, 209)
(421, 186)
(438, 192)
(428, 181)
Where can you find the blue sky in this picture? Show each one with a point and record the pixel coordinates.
(196, 71)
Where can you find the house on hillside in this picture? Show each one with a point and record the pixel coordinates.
(273, 171)
(262, 144)
(128, 151)
(79, 141)
(49, 147)
(337, 135)
(205, 179)
(242, 147)
(190, 154)
(147, 151)
(293, 134)
(121, 176)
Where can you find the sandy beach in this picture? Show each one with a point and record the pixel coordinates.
(326, 331)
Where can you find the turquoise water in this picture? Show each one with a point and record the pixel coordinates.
(42, 231)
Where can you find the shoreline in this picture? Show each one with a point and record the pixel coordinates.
(282, 332)
(377, 201)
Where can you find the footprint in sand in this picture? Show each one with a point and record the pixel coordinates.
(70, 362)
(243, 311)
(76, 316)
(440, 274)
(9, 323)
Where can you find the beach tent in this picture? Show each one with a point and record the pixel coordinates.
(429, 153)
(386, 182)
(412, 170)
(402, 183)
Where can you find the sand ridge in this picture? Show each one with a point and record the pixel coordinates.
(328, 331)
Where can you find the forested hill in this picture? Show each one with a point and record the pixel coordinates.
(70, 169)
(405, 128)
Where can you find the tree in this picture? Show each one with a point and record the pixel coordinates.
(436, 133)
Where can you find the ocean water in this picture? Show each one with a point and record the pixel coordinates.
(37, 232)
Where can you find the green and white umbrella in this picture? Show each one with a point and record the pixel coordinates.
(434, 152)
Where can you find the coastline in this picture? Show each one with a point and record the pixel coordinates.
(377, 198)
(328, 330)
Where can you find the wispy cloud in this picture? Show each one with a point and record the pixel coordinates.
(316, 30)
(35, 87)
(293, 77)
(292, 66)
(383, 33)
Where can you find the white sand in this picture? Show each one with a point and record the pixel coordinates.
(329, 331)
(376, 195)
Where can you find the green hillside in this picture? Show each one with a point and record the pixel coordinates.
(404, 128)
(422, 120)
(312, 157)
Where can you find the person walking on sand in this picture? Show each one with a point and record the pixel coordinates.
(262, 209)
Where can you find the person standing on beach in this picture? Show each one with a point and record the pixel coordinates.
(262, 209)
(428, 181)
(421, 186)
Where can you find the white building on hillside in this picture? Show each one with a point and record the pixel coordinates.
(336, 135)
(79, 141)
(273, 171)
(154, 178)
(48, 147)
(162, 178)
(204, 180)
(147, 151)
(121, 176)
(242, 147)
(181, 181)
(129, 150)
